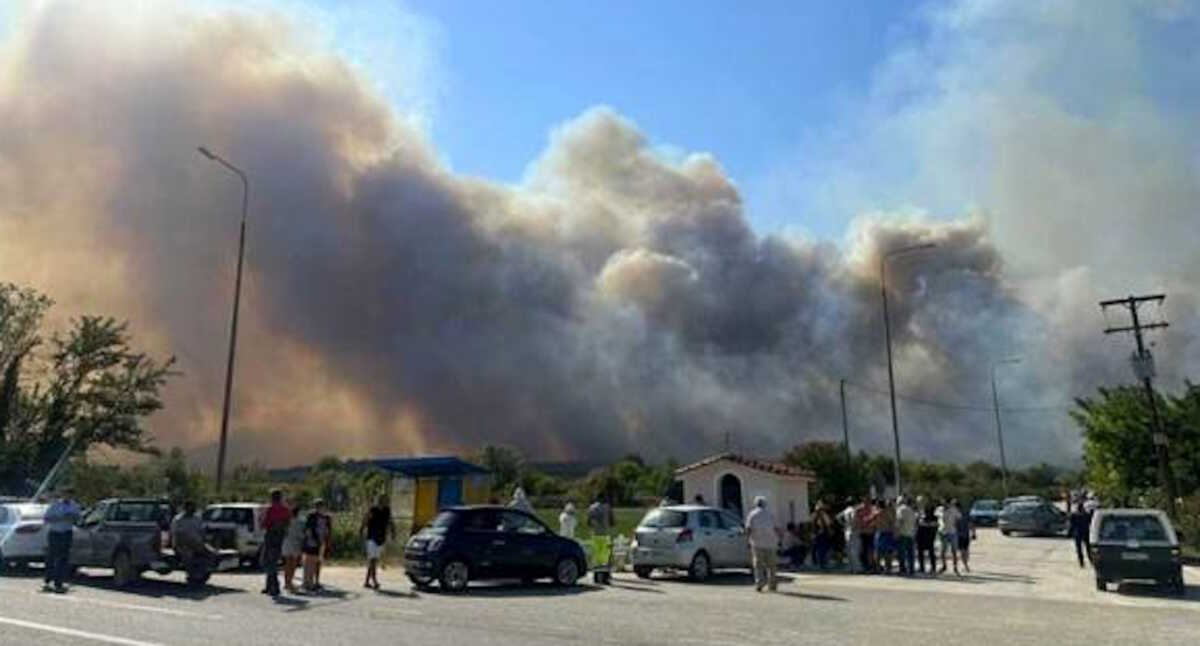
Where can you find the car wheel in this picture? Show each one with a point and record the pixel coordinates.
(700, 568)
(1101, 585)
(421, 582)
(1178, 586)
(123, 572)
(566, 573)
(455, 576)
(642, 571)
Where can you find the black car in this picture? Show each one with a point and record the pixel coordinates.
(464, 544)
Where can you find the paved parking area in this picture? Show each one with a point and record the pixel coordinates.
(1022, 591)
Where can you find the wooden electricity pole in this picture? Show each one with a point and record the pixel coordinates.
(1143, 365)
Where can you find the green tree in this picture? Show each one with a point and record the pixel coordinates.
(506, 465)
(837, 479)
(91, 387)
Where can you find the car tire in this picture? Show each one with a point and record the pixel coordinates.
(421, 582)
(701, 567)
(642, 571)
(566, 572)
(1101, 585)
(124, 573)
(1178, 586)
(455, 576)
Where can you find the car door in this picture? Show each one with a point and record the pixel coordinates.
(710, 537)
(481, 542)
(83, 535)
(736, 540)
(530, 551)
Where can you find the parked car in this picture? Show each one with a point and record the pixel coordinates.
(691, 538)
(464, 544)
(1135, 544)
(22, 534)
(235, 526)
(131, 536)
(985, 513)
(1038, 518)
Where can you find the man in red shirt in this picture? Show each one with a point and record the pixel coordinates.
(274, 523)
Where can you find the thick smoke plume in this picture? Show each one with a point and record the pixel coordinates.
(614, 301)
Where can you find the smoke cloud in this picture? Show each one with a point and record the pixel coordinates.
(615, 300)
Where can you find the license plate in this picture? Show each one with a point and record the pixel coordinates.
(1134, 556)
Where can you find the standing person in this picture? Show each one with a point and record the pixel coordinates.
(567, 521)
(325, 534)
(274, 524)
(823, 532)
(377, 527)
(885, 537)
(965, 534)
(293, 540)
(764, 540)
(520, 501)
(850, 532)
(60, 520)
(926, 535)
(864, 519)
(310, 549)
(906, 533)
(1081, 526)
(948, 515)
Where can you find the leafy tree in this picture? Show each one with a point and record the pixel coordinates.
(837, 479)
(506, 465)
(91, 386)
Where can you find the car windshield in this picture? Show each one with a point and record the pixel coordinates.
(986, 505)
(664, 518)
(1146, 527)
(441, 523)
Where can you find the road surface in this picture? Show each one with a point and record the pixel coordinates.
(1022, 591)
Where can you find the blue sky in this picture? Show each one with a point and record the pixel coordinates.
(747, 83)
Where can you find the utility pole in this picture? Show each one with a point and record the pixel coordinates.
(845, 425)
(887, 336)
(999, 429)
(1143, 366)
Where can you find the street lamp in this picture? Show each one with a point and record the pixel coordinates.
(237, 297)
(999, 431)
(887, 333)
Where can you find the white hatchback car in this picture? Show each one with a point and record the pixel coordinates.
(22, 533)
(694, 538)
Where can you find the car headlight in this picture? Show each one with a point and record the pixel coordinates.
(434, 544)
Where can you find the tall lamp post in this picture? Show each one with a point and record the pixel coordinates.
(887, 333)
(999, 430)
(237, 297)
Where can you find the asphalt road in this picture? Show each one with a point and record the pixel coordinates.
(1022, 591)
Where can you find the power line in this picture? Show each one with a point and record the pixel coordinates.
(922, 401)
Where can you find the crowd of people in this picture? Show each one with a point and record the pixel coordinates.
(883, 536)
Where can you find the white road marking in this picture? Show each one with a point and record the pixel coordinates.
(71, 632)
(133, 606)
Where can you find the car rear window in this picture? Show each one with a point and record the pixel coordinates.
(1132, 528)
(663, 518)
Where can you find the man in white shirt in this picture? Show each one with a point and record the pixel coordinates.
(851, 531)
(764, 540)
(906, 533)
(948, 515)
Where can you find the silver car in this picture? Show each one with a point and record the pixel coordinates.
(693, 538)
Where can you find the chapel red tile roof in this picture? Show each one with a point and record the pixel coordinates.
(775, 468)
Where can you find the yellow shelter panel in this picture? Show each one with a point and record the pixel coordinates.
(426, 506)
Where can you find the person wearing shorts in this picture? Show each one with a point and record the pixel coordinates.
(948, 517)
(377, 527)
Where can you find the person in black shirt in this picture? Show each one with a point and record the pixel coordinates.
(377, 527)
(1081, 526)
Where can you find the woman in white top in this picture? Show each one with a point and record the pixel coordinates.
(567, 521)
(292, 541)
